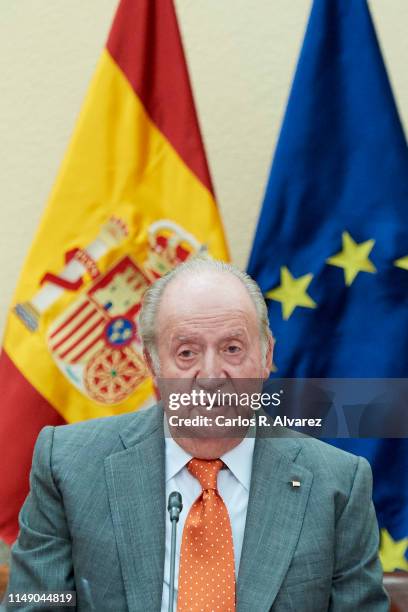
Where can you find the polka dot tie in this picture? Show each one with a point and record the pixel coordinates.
(207, 575)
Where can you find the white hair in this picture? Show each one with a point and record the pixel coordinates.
(196, 264)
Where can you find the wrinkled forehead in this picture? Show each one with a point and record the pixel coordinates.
(218, 327)
(209, 299)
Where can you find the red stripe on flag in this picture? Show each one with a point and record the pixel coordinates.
(26, 414)
(67, 321)
(86, 349)
(86, 333)
(145, 42)
(78, 326)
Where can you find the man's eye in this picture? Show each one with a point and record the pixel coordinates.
(186, 354)
(233, 348)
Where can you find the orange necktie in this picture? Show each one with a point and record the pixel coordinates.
(207, 575)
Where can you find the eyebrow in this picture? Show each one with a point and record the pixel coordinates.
(187, 338)
(234, 335)
(196, 337)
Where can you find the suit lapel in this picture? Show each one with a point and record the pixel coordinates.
(136, 490)
(274, 520)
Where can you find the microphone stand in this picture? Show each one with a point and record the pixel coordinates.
(174, 507)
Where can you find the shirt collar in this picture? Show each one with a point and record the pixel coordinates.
(238, 459)
(176, 457)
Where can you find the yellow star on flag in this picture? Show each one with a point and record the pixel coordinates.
(392, 552)
(402, 263)
(353, 258)
(292, 292)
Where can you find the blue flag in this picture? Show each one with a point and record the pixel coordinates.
(331, 247)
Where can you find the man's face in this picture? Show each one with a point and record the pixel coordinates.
(207, 328)
(207, 336)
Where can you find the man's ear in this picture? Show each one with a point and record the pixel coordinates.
(149, 362)
(269, 357)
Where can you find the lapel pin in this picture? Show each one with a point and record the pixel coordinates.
(295, 483)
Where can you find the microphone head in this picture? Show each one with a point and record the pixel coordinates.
(175, 505)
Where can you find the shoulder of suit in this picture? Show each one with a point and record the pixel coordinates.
(103, 433)
(312, 452)
(328, 461)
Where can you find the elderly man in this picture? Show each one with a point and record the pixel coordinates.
(269, 523)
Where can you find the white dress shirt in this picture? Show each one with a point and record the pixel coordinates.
(233, 486)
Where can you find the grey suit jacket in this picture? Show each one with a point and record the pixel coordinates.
(94, 522)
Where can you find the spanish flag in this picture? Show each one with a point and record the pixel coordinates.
(133, 199)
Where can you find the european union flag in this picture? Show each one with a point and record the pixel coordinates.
(331, 247)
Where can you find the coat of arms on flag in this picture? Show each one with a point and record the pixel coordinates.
(95, 341)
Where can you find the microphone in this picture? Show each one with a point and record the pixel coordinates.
(174, 506)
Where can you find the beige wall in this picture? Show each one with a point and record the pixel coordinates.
(241, 55)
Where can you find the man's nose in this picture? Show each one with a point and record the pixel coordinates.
(211, 368)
